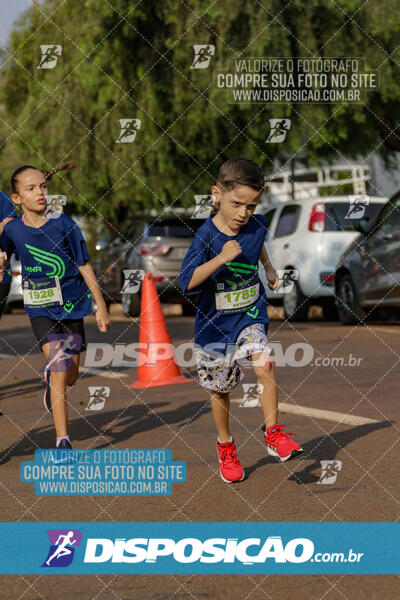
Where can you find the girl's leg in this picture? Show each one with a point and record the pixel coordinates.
(265, 372)
(220, 410)
(72, 374)
(58, 385)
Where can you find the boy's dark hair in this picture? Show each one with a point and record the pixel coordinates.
(47, 174)
(240, 171)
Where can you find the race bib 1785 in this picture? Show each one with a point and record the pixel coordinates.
(238, 300)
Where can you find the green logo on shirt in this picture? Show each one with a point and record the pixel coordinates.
(237, 267)
(68, 306)
(252, 312)
(48, 258)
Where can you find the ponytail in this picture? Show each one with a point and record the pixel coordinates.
(65, 167)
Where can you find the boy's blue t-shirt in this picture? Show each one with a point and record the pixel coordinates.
(6, 210)
(233, 297)
(57, 248)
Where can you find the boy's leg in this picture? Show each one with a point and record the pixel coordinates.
(265, 372)
(220, 410)
(278, 442)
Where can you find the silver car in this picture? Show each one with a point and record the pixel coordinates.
(160, 251)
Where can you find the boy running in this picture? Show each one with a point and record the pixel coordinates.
(231, 320)
(58, 283)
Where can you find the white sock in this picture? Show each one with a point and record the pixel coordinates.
(228, 442)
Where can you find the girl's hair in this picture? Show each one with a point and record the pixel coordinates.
(47, 174)
(240, 171)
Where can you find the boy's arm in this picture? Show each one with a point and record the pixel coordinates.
(272, 275)
(6, 250)
(229, 251)
(102, 316)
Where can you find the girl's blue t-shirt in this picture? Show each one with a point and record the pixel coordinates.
(57, 248)
(6, 210)
(233, 297)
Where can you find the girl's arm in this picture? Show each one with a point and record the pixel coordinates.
(272, 275)
(102, 316)
(4, 262)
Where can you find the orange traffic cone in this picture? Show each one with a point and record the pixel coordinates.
(159, 368)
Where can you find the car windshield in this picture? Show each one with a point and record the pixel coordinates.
(179, 228)
(340, 216)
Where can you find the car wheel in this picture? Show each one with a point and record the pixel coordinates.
(349, 308)
(329, 309)
(131, 305)
(295, 304)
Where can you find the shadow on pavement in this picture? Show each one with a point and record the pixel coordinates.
(118, 425)
(324, 447)
(21, 388)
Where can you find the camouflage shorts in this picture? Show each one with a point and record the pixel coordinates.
(222, 372)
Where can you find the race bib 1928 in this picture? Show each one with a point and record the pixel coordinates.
(42, 292)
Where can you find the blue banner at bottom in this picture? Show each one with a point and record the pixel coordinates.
(191, 548)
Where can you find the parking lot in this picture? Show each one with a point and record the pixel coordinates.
(342, 406)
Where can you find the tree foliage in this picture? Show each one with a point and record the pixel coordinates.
(123, 59)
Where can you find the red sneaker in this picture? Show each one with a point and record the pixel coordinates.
(229, 466)
(279, 444)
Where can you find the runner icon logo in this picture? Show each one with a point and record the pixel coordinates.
(129, 127)
(132, 280)
(330, 470)
(50, 56)
(202, 56)
(287, 279)
(63, 346)
(357, 207)
(97, 397)
(279, 129)
(54, 206)
(251, 395)
(204, 205)
(63, 543)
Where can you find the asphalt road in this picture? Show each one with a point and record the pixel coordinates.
(178, 417)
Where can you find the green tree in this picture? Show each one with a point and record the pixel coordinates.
(132, 60)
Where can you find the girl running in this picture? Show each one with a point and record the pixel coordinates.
(58, 284)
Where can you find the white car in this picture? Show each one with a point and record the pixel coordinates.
(306, 239)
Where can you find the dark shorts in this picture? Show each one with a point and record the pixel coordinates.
(44, 326)
(4, 290)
